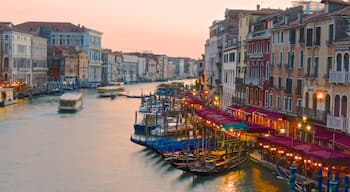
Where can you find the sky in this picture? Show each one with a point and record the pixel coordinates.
(176, 28)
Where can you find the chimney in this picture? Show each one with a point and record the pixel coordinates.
(258, 7)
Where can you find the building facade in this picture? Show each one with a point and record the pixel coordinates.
(39, 64)
(67, 34)
(17, 51)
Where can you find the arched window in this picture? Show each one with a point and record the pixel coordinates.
(336, 105)
(344, 102)
(338, 68)
(328, 104)
(307, 100)
(346, 61)
(6, 64)
(314, 103)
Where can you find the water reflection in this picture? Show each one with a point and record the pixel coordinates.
(91, 151)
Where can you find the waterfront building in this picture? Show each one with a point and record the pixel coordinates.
(213, 55)
(321, 31)
(245, 23)
(17, 51)
(67, 66)
(68, 34)
(309, 7)
(258, 46)
(162, 67)
(129, 67)
(286, 67)
(107, 59)
(39, 64)
(338, 92)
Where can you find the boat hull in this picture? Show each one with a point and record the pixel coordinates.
(141, 128)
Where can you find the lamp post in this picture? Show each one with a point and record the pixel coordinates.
(304, 127)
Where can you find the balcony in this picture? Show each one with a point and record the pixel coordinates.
(239, 100)
(317, 115)
(339, 77)
(256, 55)
(259, 34)
(254, 81)
(338, 123)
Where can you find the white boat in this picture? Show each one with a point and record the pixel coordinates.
(70, 102)
(7, 97)
(110, 91)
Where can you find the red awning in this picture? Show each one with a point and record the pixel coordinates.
(260, 129)
(234, 107)
(282, 141)
(275, 116)
(249, 110)
(343, 141)
(330, 157)
(306, 148)
(262, 112)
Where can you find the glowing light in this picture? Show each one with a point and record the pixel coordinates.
(304, 118)
(308, 127)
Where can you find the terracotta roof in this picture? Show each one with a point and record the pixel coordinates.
(54, 26)
(263, 11)
(335, 2)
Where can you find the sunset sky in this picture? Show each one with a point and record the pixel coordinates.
(174, 28)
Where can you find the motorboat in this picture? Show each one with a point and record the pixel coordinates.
(70, 102)
(7, 97)
(109, 91)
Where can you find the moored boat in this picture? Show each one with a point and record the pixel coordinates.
(70, 102)
(7, 97)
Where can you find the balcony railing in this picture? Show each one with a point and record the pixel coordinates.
(338, 123)
(339, 77)
(317, 115)
(238, 100)
(254, 81)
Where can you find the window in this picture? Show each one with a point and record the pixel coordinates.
(339, 61)
(301, 61)
(278, 103)
(292, 36)
(279, 82)
(316, 67)
(318, 36)
(329, 65)
(309, 37)
(299, 86)
(346, 62)
(330, 33)
(225, 76)
(271, 81)
(267, 72)
(289, 104)
(301, 35)
(266, 98)
(308, 67)
(272, 59)
(299, 103)
(280, 59)
(289, 85)
(282, 37)
(271, 98)
(6, 37)
(285, 104)
(232, 57)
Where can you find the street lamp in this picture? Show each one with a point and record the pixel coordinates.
(304, 127)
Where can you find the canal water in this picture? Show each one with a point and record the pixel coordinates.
(42, 150)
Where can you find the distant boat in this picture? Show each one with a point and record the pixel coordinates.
(112, 90)
(70, 102)
(7, 97)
